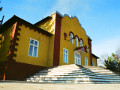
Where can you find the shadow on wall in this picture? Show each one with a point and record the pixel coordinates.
(3, 67)
(12, 70)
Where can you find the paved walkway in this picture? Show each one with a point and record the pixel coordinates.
(42, 86)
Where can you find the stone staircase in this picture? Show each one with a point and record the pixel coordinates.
(75, 74)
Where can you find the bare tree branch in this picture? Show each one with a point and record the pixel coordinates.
(1, 8)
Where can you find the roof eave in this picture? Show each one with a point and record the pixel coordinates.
(15, 18)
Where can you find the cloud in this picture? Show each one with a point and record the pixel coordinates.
(70, 6)
(105, 48)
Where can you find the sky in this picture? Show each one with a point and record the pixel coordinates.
(99, 18)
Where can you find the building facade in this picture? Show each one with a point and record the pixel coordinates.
(26, 48)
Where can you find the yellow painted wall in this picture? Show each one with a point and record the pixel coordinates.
(94, 60)
(73, 25)
(51, 51)
(49, 25)
(23, 47)
(5, 43)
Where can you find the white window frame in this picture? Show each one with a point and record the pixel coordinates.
(65, 59)
(76, 39)
(81, 43)
(33, 47)
(86, 61)
(71, 38)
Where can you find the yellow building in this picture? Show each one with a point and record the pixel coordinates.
(26, 48)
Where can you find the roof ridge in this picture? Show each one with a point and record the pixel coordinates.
(15, 18)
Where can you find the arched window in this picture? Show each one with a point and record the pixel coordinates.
(71, 38)
(76, 39)
(86, 61)
(81, 43)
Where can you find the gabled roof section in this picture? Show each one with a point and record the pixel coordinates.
(43, 20)
(47, 18)
(15, 18)
(95, 56)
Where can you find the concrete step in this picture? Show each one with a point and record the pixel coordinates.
(76, 81)
(67, 70)
(102, 76)
(76, 70)
(75, 74)
(74, 78)
(75, 67)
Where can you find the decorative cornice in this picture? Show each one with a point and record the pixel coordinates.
(13, 42)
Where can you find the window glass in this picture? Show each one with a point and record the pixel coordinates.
(30, 50)
(31, 41)
(67, 59)
(78, 56)
(76, 41)
(93, 63)
(66, 51)
(33, 48)
(65, 55)
(71, 38)
(35, 52)
(36, 43)
(81, 43)
(77, 59)
(63, 50)
(86, 61)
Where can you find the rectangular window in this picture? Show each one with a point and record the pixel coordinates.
(93, 64)
(77, 59)
(33, 48)
(86, 61)
(65, 55)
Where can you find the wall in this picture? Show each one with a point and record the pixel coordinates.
(23, 47)
(51, 48)
(5, 44)
(49, 25)
(67, 25)
(20, 71)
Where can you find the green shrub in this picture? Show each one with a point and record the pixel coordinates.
(112, 63)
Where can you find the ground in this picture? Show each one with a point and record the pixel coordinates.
(15, 85)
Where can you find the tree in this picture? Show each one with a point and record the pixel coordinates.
(113, 63)
(1, 7)
(1, 21)
(1, 35)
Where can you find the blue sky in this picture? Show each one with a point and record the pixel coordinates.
(99, 18)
